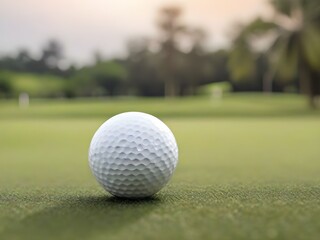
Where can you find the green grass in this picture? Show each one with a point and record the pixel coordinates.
(238, 177)
(240, 105)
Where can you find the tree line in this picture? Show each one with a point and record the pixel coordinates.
(176, 62)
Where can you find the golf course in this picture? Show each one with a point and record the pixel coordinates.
(248, 169)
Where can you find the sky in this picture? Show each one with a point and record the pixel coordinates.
(85, 26)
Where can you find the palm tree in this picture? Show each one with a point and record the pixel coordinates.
(295, 49)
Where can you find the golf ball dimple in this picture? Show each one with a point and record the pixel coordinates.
(133, 155)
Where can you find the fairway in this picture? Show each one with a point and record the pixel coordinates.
(242, 174)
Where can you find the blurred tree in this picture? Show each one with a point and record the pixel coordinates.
(111, 77)
(102, 79)
(23, 60)
(218, 65)
(171, 29)
(242, 59)
(8, 63)
(146, 67)
(247, 64)
(295, 50)
(52, 54)
(5, 86)
(182, 59)
(19, 63)
(194, 67)
(143, 69)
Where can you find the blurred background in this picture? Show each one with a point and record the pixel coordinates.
(58, 49)
(238, 83)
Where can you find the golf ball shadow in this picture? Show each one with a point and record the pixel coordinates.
(82, 217)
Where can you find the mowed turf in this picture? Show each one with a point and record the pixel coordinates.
(238, 177)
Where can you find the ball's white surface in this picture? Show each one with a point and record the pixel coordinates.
(133, 155)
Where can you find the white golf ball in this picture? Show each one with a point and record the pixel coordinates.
(133, 155)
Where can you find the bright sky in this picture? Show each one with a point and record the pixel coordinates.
(84, 26)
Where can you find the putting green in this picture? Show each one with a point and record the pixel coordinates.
(237, 178)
